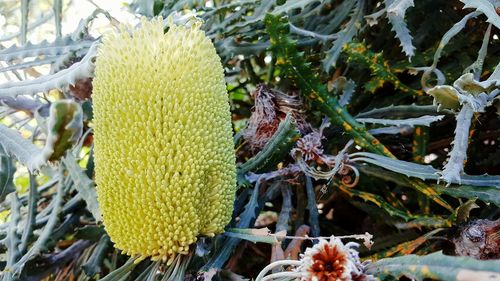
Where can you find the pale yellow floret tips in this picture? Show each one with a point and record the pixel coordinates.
(164, 156)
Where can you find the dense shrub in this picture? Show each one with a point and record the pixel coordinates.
(354, 121)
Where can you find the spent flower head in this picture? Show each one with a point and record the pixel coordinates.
(328, 260)
(331, 260)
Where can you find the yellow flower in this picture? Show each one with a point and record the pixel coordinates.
(164, 156)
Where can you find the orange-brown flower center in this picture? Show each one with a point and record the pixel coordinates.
(328, 264)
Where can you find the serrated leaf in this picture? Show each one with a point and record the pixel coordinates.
(486, 7)
(268, 6)
(257, 16)
(402, 167)
(289, 60)
(344, 88)
(252, 234)
(396, 11)
(84, 185)
(58, 47)
(291, 5)
(15, 145)
(344, 37)
(455, 166)
(393, 130)
(436, 266)
(339, 14)
(29, 64)
(425, 120)
(481, 180)
(379, 67)
(402, 111)
(420, 171)
(275, 150)
(69, 76)
(484, 193)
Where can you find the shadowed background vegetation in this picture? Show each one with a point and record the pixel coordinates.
(349, 116)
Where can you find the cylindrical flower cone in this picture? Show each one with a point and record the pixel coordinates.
(164, 156)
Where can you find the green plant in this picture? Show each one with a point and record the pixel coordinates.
(345, 121)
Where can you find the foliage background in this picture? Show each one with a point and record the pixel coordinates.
(369, 67)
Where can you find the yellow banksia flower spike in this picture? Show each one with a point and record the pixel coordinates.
(164, 156)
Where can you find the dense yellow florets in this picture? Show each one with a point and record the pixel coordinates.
(164, 157)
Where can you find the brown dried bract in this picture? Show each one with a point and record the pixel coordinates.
(310, 146)
(82, 89)
(270, 108)
(479, 239)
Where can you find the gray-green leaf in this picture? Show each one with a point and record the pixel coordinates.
(436, 266)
